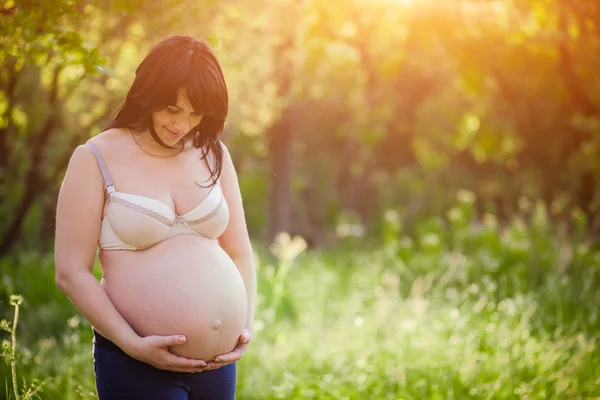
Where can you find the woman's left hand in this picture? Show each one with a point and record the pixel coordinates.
(223, 359)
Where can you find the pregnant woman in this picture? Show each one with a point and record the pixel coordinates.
(157, 194)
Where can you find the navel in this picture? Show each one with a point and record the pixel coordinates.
(217, 325)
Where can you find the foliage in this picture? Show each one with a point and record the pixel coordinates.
(385, 103)
(485, 312)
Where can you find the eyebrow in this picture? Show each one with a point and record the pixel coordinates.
(193, 112)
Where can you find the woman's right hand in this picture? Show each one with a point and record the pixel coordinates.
(154, 350)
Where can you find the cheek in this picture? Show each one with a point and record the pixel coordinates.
(159, 119)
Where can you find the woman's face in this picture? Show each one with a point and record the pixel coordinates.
(176, 120)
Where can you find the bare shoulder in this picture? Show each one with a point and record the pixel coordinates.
(226, 154)
(83, 172)
(83, 161)
(109, 141)
(223, 146)
(229, 178)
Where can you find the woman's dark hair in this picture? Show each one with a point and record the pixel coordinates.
(179, 62)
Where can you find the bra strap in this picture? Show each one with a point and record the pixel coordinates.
(103, 168)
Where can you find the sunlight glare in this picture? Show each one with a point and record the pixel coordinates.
(402, 2)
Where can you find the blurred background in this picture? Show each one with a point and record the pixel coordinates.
(415, 148)
(359, 106)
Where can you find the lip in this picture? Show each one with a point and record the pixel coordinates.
(173, 134)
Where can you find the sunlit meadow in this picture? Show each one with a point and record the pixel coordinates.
(459, 311)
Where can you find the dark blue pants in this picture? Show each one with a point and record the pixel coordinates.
(119, 376)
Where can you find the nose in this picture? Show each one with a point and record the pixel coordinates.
(181, 126)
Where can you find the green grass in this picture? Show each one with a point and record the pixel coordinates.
(460, 311)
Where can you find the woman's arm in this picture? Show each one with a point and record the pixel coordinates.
(235, 240)
(78, 220)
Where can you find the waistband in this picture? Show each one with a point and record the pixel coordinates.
(103, 343)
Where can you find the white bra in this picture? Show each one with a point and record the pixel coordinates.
(134, 222)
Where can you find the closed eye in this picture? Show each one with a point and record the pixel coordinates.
(177, 110)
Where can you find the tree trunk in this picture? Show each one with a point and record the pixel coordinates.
(34, 180)
(12, 76)
(33, 185)
(279, 138)
(279, 141)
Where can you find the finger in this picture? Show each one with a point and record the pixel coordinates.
(186, 370)
(182, 362)
(214, 366)
(244, 337)
(165, 341)
(229, 357)
(172, 368)
(235, 355)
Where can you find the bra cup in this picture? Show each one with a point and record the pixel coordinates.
(135, 228)
(208, 205)
(215, 226)
(109, 240)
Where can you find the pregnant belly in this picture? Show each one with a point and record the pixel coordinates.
(184, 286)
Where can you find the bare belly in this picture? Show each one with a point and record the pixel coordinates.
(184, 286)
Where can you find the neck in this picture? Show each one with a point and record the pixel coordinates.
(149, 145)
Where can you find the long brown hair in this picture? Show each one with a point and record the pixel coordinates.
(179, 62)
